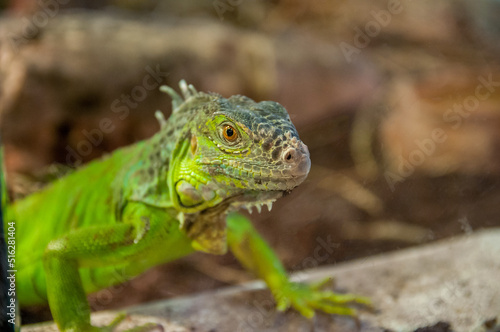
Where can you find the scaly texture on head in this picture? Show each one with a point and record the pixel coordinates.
(233, 150)
(214, 155)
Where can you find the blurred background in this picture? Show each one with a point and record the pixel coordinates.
(398, 101)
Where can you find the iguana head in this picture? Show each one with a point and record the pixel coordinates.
(232, 151)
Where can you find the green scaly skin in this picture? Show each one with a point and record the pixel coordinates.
(164, 198)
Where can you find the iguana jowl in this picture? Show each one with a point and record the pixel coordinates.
(164, 198)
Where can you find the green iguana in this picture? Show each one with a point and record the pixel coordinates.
(163, 198)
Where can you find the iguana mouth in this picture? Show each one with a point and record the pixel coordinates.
(255, 199)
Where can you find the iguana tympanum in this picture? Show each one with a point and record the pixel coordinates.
(163, 198)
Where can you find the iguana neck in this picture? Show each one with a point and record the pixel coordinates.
(145, 179)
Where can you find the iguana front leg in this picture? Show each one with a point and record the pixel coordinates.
(256, 255)
(94, 247)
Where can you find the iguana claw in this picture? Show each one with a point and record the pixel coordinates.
(307, 299)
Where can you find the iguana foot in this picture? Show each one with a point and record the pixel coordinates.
(306, 299)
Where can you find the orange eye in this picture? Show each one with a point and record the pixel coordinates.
(230, 133)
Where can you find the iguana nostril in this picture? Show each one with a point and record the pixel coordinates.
(289, 155)
(298, 159)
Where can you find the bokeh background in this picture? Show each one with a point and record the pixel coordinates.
(398, 101)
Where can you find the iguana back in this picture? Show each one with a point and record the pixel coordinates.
(80, 199)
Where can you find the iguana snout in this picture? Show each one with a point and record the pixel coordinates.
(299, 161)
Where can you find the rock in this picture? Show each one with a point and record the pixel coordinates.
(451, 283)
(130, 321)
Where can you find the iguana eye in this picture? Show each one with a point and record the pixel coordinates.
(230, 133)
